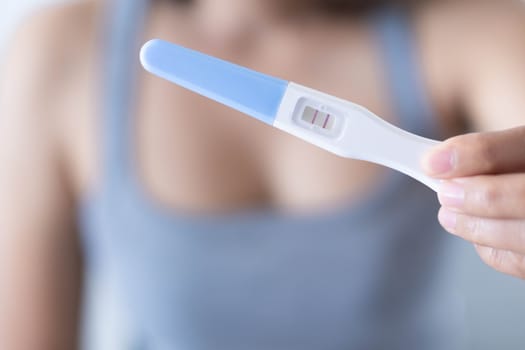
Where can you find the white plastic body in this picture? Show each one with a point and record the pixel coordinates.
(357, 133)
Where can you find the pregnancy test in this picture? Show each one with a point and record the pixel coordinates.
(336, 125)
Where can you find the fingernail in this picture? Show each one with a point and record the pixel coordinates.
(448, 219)
(440, 162)
(452, 194)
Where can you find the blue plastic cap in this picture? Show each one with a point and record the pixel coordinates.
(240, 88)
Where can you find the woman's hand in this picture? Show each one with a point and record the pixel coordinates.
(483, 194)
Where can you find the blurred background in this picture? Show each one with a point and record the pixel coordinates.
(491, 299)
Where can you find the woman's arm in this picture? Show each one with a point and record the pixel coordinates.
(40, 260)
(484, 196)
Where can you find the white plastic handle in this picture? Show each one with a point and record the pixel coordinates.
(356, 133)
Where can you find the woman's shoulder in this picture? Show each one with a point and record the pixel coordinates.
(53, 37)
(474, 19)
(461, 39)
(45, 77)
(45, 51)
(62, 19)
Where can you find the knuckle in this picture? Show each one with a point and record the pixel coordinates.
(495, 258)
(471, 228)
(481, 195)
(484, 152)
(489, 194)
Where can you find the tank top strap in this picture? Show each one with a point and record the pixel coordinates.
(120, 64)
(397, 44)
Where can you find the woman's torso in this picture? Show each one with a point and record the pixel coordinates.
(361, 270)
(182, 138)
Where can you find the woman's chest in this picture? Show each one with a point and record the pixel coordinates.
(198, 156)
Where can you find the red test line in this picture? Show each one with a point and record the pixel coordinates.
(326, 121)
(315, 116)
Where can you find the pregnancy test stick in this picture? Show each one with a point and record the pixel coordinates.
(338, 126)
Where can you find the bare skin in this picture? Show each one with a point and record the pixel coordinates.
(472, 61)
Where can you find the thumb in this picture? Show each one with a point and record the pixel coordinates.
(477, 154)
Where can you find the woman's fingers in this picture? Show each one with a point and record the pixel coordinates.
(503, 261)
(478, 154)
(483, 195)
(497, 196)
(508, 235)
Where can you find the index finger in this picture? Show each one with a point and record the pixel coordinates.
(478, 154)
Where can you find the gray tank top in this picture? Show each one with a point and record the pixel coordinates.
(367, 276)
